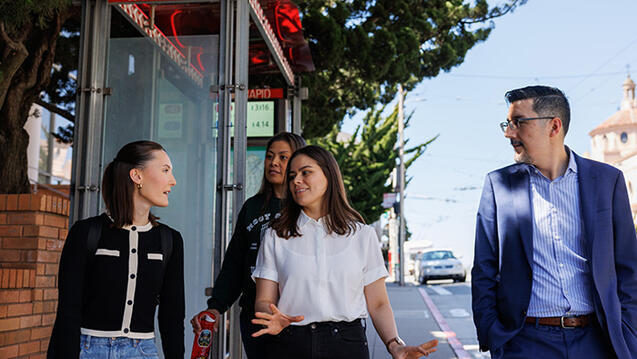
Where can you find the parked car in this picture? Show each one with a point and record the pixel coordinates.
(439, 264)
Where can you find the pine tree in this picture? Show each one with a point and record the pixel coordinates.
(363, 49)
(368, 158)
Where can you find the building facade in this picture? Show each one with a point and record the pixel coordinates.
(614, 141)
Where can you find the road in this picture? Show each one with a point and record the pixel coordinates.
(440, 309)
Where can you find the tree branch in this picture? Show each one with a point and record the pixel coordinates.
(14, 55)
(52, 108)
(496, 12)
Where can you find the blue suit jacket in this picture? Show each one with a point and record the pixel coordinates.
(502, 275)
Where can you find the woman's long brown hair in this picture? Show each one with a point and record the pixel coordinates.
(341, 218)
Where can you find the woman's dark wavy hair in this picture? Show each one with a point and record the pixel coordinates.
(117, 186)
(341, 219)
(295, 141)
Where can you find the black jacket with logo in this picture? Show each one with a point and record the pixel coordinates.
(241, 255)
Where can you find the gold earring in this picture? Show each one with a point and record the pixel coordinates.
(139, 186)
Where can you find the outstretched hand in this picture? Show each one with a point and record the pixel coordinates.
(273, 323)
(196, 326)
(413, 352)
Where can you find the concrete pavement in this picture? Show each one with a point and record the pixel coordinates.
(447, 317)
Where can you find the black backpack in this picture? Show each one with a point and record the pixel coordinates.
(95, 233)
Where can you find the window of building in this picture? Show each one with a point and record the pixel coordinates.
(624, 137)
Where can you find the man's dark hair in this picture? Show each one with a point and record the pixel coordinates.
(547, 101)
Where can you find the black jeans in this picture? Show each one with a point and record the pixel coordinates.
(323, 340)
(254, 347)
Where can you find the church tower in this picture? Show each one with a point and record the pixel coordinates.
(616, 138)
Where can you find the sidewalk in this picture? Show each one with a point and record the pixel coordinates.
(415, 323)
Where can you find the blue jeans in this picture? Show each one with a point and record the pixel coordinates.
(116, 348)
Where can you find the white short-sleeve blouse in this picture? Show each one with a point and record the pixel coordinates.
(321, 276)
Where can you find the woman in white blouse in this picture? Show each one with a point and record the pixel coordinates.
(320, 271)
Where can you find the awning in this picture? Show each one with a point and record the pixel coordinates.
(276, 44)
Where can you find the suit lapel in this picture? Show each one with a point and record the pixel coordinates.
(520, 186)
(587, 180)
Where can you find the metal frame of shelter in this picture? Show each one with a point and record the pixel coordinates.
(233, 80)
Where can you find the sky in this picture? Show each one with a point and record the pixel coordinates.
(581, 47)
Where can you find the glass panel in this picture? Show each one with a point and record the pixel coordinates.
(254, 169)
(160, 91)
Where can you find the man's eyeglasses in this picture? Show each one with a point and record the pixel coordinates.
(514, 124)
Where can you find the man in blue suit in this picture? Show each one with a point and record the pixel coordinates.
(555, 267)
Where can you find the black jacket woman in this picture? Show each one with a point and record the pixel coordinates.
(234, 279)
(116, 268)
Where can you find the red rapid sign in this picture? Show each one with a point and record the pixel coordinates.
(265, 93)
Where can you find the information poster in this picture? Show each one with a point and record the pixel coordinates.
(260, 120)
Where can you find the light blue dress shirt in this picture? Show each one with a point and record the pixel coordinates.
(561, 267)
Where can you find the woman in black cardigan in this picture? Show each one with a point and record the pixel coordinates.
(117, 267)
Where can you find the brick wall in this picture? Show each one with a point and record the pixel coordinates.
(32, 232)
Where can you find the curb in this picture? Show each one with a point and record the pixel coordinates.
(453, 341)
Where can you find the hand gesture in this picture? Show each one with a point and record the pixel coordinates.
(196, 327)
(412, 352)
(273, 323)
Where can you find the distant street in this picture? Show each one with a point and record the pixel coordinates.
(443, 311)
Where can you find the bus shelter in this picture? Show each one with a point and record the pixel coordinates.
(178, 72)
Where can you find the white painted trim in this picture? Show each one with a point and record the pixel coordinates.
(107, 252)
(133, 240)
(116, 333)
(440, 290)
(156, 256)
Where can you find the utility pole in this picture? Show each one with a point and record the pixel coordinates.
(401, 179)
(393, 230)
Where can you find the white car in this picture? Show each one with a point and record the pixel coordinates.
(439, 264)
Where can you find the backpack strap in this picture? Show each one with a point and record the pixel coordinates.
(94, 235)
(166, 245)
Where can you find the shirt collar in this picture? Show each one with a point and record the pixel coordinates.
(145, 228)
(572, 165)
(305, 219)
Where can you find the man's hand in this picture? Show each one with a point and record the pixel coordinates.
(196, 327)
(273, 323)
(412, 352)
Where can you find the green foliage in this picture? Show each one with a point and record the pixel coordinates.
(29, 30)
(368, 158)
(16, 13)
(61, 91)
(363, 49)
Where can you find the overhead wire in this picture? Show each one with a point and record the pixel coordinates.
(631, 43)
